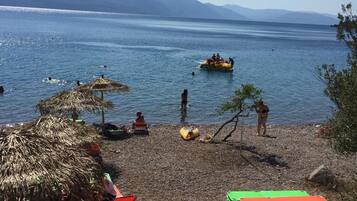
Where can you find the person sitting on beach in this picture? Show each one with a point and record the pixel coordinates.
(262, 111)
(139, 121)
(140, 126)
(140, 117)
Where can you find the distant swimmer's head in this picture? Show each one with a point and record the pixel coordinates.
(49, 78)
(2, 89)
(193, 73)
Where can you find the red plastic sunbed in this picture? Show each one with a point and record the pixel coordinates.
(126, 198)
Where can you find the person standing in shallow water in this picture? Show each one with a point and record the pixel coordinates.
(184, 97)
(262, 111)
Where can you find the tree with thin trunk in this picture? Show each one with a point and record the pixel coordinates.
(341, 87)
(240, 104)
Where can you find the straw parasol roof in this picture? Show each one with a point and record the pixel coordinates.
(34, 167)
(66, 102)
(103, 84)
(62, 130)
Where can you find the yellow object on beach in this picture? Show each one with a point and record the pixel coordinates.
(189, 133)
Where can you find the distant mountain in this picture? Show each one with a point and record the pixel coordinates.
(285, 16)
(178, 8)
(173, 8)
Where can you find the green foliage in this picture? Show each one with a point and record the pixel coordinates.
(244, 98)
(341, 87)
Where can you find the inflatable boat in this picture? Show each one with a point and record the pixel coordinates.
(217, 66)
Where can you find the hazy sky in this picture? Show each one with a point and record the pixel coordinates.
(322, 6)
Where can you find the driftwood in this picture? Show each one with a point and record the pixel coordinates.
(235, 119)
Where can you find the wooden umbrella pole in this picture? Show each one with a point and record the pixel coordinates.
(102, 96)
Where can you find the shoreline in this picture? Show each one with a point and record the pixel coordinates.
(193, 124)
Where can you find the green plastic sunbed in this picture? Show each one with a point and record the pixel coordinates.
(237, 195)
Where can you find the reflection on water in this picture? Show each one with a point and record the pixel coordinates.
(218, 76)
(183, 115)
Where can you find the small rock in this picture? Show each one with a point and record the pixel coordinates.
(324, 177)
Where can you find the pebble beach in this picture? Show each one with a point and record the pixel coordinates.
(162, 166)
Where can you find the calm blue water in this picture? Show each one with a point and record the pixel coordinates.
(155, 57)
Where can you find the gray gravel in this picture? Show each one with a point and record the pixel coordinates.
(162, 166)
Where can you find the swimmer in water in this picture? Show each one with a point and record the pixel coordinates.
(51, 80)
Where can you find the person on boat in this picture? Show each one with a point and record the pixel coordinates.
(214, 57)
(218, 57)
(262, 111)
(231, 61)
(184, 97)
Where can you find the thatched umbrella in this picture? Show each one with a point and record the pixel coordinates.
(62, 130)
(102, 85)
(72, 102)
(34, 167)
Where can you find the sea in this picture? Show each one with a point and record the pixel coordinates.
(155, 57)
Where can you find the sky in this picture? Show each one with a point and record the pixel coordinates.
(320, 6)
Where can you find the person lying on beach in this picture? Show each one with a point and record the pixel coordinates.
(262, 111)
